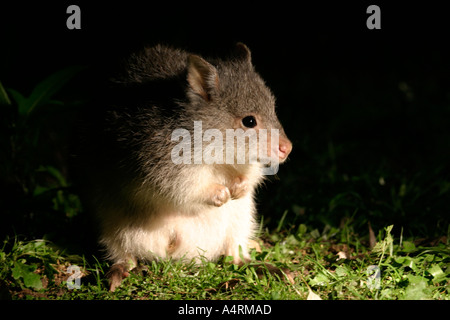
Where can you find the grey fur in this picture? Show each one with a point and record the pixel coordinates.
(134, 187)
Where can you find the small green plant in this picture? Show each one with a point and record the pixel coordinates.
(386, 245)
(32, 168)
(27, 263)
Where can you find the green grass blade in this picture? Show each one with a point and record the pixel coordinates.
(4, 99)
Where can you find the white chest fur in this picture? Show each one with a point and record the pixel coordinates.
(209, 233)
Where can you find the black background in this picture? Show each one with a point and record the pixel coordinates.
(288, 39)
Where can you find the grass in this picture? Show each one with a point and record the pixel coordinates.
(323, 266)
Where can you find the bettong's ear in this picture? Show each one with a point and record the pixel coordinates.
(242, 52)
(202, 77)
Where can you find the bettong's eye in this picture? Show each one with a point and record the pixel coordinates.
(249, 121)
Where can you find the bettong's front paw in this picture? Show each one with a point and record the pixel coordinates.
(239, 188)
(219, 195)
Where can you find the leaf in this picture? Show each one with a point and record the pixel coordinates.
(372, 239)
(407, 262)
(417, 289)
(408, 247)
(55, 173)
(312, 296)
(32, 280)
(33, 248)
(40, 190)
(18, 270)
(388, 243)
(4, 99)
(301, 230)
(437, 273)
(17, 97)
(26, 272)
(341, 271)
(48, 87)
(315, 234)
(280, 224)
(319, 280)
